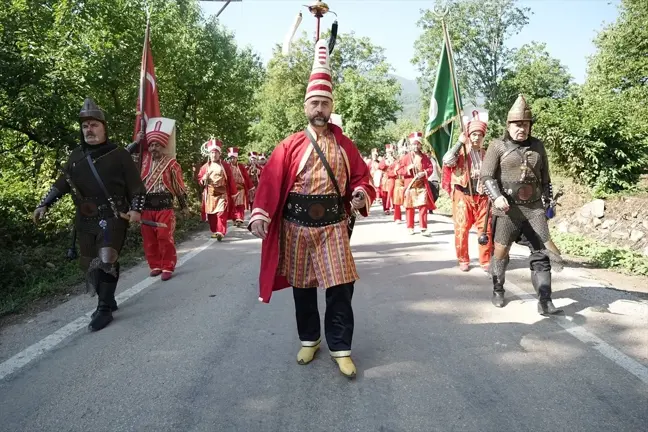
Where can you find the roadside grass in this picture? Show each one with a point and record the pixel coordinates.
(44, 271)
(600, 255)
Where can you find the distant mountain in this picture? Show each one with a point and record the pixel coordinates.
(410, 98)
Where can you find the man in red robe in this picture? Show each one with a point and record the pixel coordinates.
(387, 183)
(219, 187)
(415, 167)
(375, 172)
(303, 221)
(469, 199)
(162, 176)
(244, 186)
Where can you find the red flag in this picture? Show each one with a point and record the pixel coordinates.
(148, 88)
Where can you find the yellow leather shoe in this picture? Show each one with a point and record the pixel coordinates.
(306, 354)
(346, 366)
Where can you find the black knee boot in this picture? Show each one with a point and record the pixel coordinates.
(541, 281)
(105, 301)
(498, 272)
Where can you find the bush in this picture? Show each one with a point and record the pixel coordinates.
(591, 140)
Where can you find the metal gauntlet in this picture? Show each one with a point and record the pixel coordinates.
(549, 201)
(492, 189)
(51, 198)
(133, 148)
(138, 203)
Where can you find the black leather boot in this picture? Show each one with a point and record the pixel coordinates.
(498, 272)
(106, 295)
(111, 299)
(542, 284)
(498, 292)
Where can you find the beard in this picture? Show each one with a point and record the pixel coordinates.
(318, 119)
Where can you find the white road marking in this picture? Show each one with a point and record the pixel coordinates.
(36, 350)
(589, 339)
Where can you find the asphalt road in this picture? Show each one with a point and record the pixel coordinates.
(200, 353)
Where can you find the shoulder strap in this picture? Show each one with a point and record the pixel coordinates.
(324, 161)
(101, 184)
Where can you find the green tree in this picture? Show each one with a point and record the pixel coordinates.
(478, 31)
(365, 95)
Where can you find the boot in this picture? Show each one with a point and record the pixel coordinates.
(497, 270)
(346, 366)
(498, 292)
(307, 353)
(542, 284)
(106, 295)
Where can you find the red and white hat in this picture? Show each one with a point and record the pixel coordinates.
(389, 147)
(476, 125)
(262, 157)
(232, 152)
(162, 130)
(416, 137)
(320, 82)
(253, 155)
(213, 144)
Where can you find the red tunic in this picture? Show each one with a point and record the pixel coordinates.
(426, 165)
(279, 175)
(246, 184)
(231, 186)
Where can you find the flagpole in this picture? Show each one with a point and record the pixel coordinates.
(143, 84)
(453, 82)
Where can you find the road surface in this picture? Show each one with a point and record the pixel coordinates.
(201, 353)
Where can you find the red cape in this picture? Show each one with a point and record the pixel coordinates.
(279, 175)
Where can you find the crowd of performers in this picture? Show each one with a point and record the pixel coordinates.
(303, 201)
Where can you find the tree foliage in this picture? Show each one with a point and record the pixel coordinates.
(478, 31)
(54, 53)
(365, 95)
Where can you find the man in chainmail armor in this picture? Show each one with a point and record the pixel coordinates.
(515, 173)
(104, 208)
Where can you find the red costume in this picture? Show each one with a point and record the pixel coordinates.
(244, 186)
(162, 177)
(415, 168)
(219, 187)
(467, 210)
(387, 183)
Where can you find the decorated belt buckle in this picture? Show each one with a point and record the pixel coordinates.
(316, 211)
(88, 209)
(525, 192)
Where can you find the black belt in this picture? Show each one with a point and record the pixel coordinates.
(158, 201)
(313, 210)
(522, 192)
(466, 191)
(95, 208)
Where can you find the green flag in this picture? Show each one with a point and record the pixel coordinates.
(443, 109)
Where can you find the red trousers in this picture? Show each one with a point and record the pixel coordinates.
(469, 211)
(239, 213)
(386, 201)
(423, 215)
(159, 246)
(397, 213)
(218, 222)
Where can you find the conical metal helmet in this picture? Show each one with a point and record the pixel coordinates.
(91, 110)
(520, 111)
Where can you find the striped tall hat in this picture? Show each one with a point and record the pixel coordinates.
(416, 136)
(213, 144)
(163, 131)
(320, 82)
(232, 152)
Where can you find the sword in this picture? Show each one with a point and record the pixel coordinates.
(78, 195)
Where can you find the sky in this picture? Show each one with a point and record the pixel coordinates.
(568, 27)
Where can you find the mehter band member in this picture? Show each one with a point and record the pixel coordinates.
(515, 173)
(312, 181)
(108, 193)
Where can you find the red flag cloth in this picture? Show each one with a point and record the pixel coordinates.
(149, 91)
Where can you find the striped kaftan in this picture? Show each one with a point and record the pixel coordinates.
(318, 256)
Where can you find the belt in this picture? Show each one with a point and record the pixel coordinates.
(95, 208)
(466, 191)
(158, 201)
(313, 210)
(522, 192)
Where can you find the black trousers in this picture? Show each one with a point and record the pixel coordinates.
(538, 260)
(338, 318)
